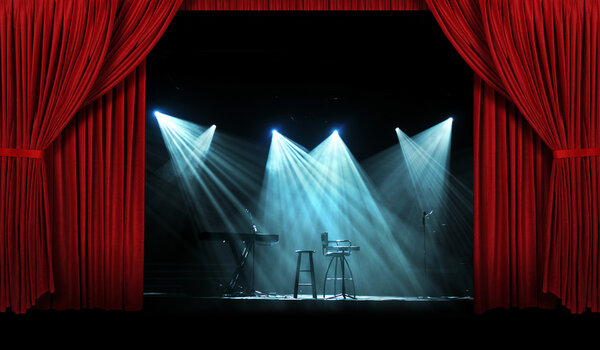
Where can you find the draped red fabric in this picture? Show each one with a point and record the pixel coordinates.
(138, 27)
(96, 166)
(55, 56)
(511, 171)
(48, 62)
(303, 5)
(545, 58)
(546, 53)
(461, 21)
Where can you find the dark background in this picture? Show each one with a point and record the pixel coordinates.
(308, 73)
(305, 74)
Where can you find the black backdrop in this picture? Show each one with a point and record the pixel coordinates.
(305, 74)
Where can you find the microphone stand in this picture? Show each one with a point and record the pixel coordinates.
(425, 216)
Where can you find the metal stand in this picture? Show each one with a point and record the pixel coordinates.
(425, 284)
(341, 259)
(238, 284)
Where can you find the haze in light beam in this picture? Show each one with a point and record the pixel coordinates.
(220, 176)
(414, 177)
(438, 192)
(436, 141)
(306, 193)
(427, 174)
(188, 145)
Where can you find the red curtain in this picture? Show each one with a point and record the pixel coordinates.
(96, 166)
(461, 21)
(138, 27)
(303, 5)
(511, 172)
(544, 57)
(55, 57)
(547, 56)
(48, 64)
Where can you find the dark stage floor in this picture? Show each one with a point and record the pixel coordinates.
(269, 320)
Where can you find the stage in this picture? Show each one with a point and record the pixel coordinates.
(284, 321)
(286, 306)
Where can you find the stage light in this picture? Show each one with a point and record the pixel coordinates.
(217, 173)
(425, 159)
(325, 190)
(161, 116)
(274, 131)
(187, 142)
(436, 142)
(397, 129)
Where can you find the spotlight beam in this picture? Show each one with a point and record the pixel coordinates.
(305, 193)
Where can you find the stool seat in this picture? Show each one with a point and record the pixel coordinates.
(334, 254)
(311, 270)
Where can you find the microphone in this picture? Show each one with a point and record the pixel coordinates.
(425, 215)
(254, 229)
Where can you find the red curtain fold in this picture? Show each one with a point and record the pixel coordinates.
(546, 53)
(303, 5)
(511, 172)
(461, 21)
(138, 27)
(97, 169)
(544, 57)
(50, 55)
(55, 56)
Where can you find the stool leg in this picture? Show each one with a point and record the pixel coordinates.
(352, 278)
(327, 274)
(297, 275)
(343, 277)
(335, 277)
(312, 276)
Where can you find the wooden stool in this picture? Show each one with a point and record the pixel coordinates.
(311, 270)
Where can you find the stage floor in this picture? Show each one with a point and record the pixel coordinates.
(445, 321)
(446, 311)
(305, 304)
(265, 319)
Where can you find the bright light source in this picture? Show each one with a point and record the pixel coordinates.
(216, 173)
(274, 131)
(325, 190)
(187, 143)
(414, 178)
(160, 115)
(435, 142)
